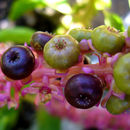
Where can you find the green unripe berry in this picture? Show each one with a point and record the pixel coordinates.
(128, 31)
(107, 39)
(122, 73)
(117, 106)
(61, 52)
(80, 34)
(116, 89)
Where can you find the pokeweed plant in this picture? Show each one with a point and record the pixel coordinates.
(58, 70)
(53, 86)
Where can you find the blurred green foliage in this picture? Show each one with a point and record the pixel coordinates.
(87, 9)
(129, 2)
(84, 13)
(18, 35)
(114, 20)
(20, 7)
(77, 14)
(46, 121)
(8, 118)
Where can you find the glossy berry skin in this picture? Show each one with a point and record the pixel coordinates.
(39, 39)
(122, 73)
(17, 62)
(80, 34)
(61, 52)
(107, 39)
(83, 91)
(117, 106)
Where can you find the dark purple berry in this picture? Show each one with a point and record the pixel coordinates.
(39, 39)
(17, 62)
(83, 91)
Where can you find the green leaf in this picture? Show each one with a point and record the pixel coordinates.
(16, 35)
(46, 121)
(19, 7)
(114, 20)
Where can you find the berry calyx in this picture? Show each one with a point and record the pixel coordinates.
(60, 44)
(83, 91)
(17, 62)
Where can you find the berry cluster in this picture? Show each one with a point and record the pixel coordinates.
(58, 66)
